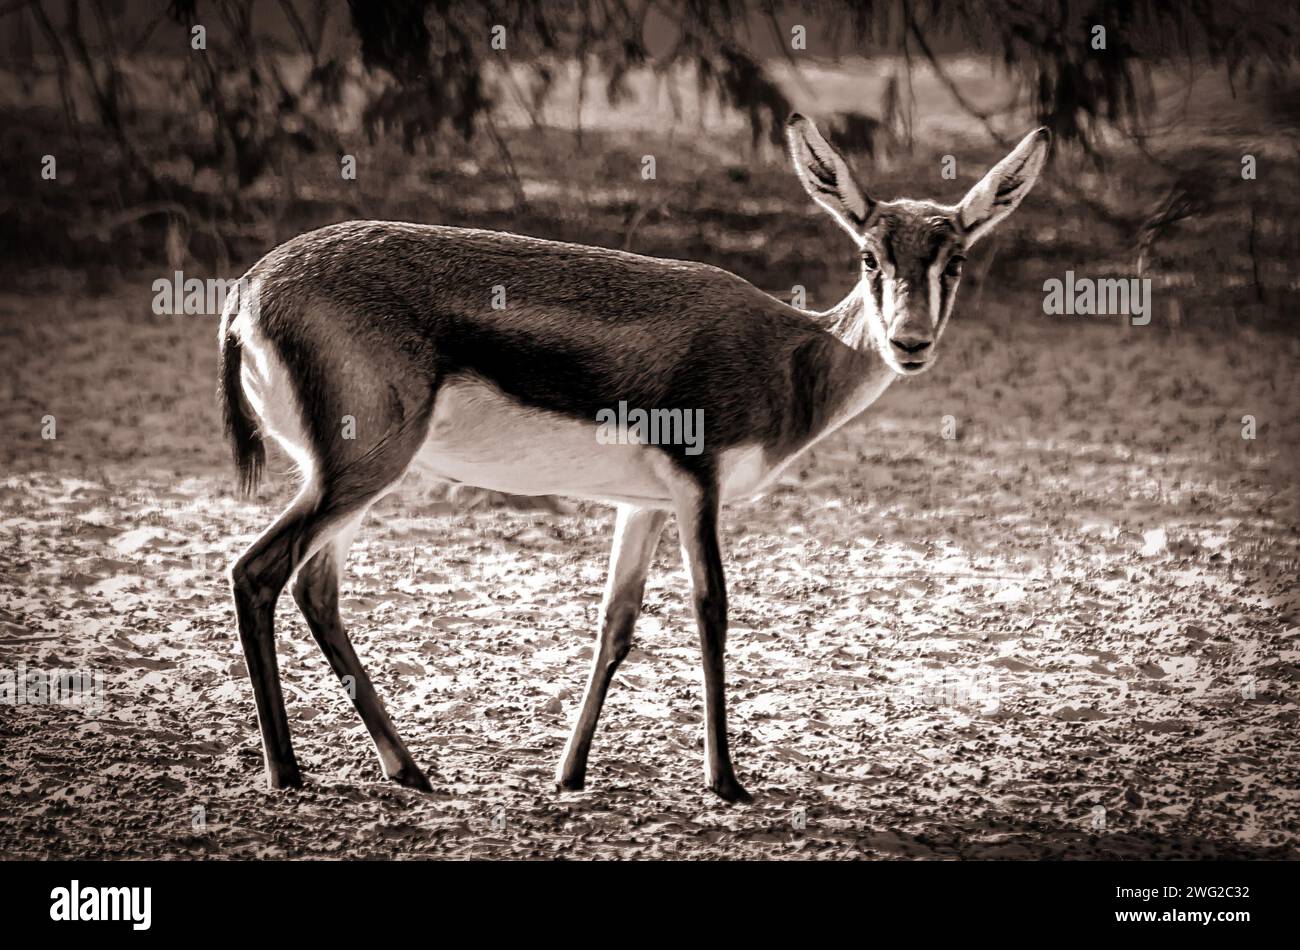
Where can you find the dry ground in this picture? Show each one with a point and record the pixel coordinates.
(940, 647)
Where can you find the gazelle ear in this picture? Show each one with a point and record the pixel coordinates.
(826, 176)
(1004, 187)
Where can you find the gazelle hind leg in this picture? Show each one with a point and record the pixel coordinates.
(256, 581)
(316, 591)
(636, 535)
(347, 477)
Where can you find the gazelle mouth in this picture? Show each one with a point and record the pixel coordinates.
(913, 367)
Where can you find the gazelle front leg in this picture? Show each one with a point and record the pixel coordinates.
(636, 535)
(697, 526)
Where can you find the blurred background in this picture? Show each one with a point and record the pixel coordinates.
(171, 157)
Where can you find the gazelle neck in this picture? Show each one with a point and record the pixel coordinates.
(847, 322)
(854, 375)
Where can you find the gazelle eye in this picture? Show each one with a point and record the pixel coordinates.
(869, 261)
(954, 266)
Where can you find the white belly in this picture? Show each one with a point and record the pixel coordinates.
(480, 436)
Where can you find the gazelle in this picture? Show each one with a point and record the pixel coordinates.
(394, 326)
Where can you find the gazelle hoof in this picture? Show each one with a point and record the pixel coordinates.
(730, 790)
(289, 777)
(410, 776)
(574, 784)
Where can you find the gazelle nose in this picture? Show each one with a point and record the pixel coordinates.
(910, 344)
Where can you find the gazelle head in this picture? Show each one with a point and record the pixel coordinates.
(911, 251)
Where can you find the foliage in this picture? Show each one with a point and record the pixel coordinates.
(434, 53)
(431, 74)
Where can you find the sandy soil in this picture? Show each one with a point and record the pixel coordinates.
(1069, 631)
